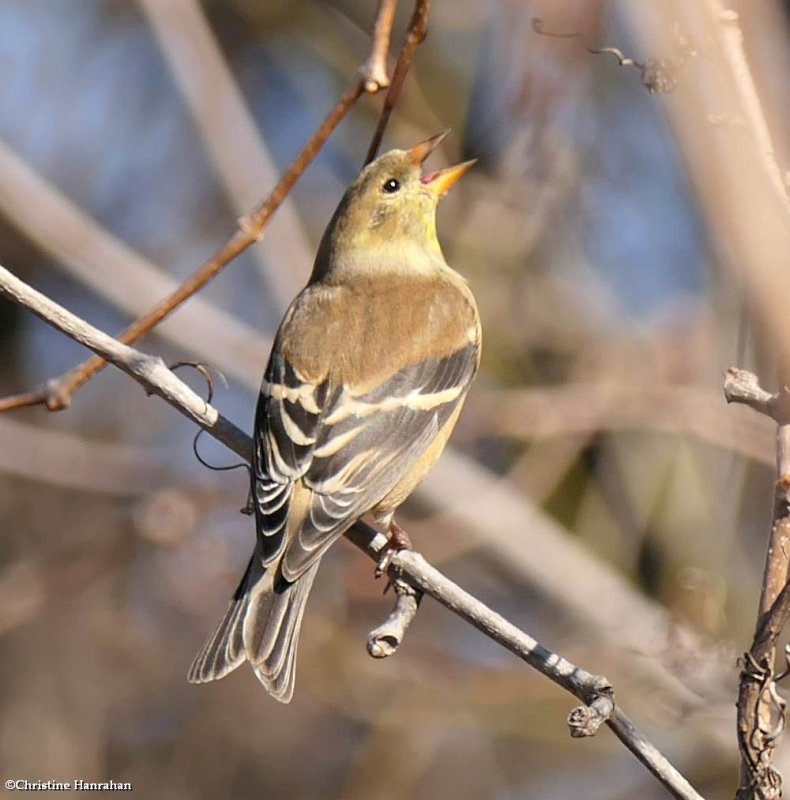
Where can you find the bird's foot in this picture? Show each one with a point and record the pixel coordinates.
(398, 540)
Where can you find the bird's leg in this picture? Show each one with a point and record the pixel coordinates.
(398, 540)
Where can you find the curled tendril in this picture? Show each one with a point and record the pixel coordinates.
(206, 371)
(658, 76)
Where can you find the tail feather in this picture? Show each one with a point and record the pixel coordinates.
(271, 632)
(223, 651)
(261, 625)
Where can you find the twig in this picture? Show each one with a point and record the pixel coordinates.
(742, 386)
(409, 566)
(658, 76)
(149, 371)
(418, 30)
(593, 690)
(374, 69)
(761, 711)
(57, 393)
(384, 640)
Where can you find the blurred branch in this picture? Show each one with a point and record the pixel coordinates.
(738, 182)
(418, 30)
(56, 393)
(522, 539)
(231, 136)
(62, 459)
(119, 274)
(732, 168)
(594, 691)
(735, 60)
(761, 710)
(585, 408)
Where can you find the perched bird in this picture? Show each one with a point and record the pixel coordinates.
(366, 378)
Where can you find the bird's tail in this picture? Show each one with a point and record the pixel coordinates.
(261, 626)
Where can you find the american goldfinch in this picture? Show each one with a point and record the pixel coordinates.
(367, 376)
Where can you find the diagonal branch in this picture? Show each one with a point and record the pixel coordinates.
(593, 690)
(230, 134)
(56, 393)
(418, 30)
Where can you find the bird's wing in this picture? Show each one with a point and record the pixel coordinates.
(347, 446)
(369, 441)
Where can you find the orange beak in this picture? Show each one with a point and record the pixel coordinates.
(441, 181)
(420, 152)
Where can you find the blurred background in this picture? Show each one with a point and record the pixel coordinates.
(599, 492)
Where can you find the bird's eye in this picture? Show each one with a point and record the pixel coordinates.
(391, 186)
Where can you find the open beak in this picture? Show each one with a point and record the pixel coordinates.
(420, 152)
(441, 181)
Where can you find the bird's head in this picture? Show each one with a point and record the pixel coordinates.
(387, 217)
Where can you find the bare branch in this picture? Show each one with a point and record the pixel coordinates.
(658, 76)
(761, 711)
(149, 371)
(735, 59)
(418, 30)
(125, 278)
(374, 69)
(406, 565)
(65, 459)
(232, 138)
(385, 639)
(56, 393)
(594, 690)
(742, 386)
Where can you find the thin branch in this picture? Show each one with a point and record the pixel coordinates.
(593, 690)
(418, 30)
(374, 69)
(56, 393)
(385, 639)
(409, 566)
(231, 135)
(761, 711)
(149, 371)
(658, 76)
